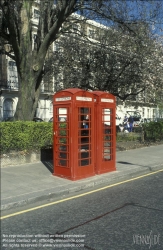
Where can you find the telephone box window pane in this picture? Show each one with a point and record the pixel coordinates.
(84, 136)
(84, 154)
(107, 129)
(84, 162)
(107, 120)
(63, 148)
(106, 157)
(63, 140)
(63, 132)
(106, 115)
(63, 163)
(62, 137)
(63, 125)
(63, 156)
(62, 114)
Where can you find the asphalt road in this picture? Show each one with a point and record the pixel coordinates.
(128, 216)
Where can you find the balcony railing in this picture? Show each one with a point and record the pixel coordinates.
(8, 85)
(12, 86)
(47, 89)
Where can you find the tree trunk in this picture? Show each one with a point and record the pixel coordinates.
(29, 92)
(28, 100)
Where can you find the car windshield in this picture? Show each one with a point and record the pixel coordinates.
(134, 114)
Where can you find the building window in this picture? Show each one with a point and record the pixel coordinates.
(8, 108)
(35, 41)
(91, 33)
(57, 47)
(36, 14)
(12, 65)
(34, 38)
(148, 116)
(51, 108)
(12, 74)
(143, 112)
(76, 28)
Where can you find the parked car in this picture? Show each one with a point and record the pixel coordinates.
(61, 119)
(135, 114)
(51, 119)
(136, 117)
(119, 120)
(36, 119)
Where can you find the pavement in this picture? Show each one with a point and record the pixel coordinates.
(28, 183)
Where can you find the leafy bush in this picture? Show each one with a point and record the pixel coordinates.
(137, 129)
(22, 135)
(153, 130)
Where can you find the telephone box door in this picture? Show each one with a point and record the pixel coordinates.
(73, 134)
(62, 140)
(85, 161)
(108, 140)
(105, 132)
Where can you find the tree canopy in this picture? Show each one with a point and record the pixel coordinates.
(31, 33)
(119, 64)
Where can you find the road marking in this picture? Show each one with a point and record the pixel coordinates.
(78, 196)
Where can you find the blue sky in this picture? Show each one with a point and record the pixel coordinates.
(151, 11)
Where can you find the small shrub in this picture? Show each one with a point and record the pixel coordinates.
(137, 129)
(128, 137)
(153, 130)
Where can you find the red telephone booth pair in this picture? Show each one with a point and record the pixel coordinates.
(84, 133)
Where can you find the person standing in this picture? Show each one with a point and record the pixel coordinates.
(125, 121)
(131, 121)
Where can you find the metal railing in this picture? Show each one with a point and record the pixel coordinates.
(7, 85)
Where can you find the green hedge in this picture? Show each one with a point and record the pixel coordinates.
(153, 130)
(36, 135)
(25, 135)
(128, 137)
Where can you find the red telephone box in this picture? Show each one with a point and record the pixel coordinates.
(105, 132)
(73, 127)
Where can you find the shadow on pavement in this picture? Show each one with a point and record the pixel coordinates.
(46, 156)
(125, 162)
(48, 165)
